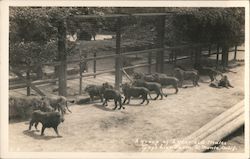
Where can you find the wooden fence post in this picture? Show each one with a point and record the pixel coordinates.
(175, 57)
(209, 50)
(160, 43)
(149, 62)
(191, 49)
(94, 64)
(171, 56)
(28, 79)
(197, 57)
(191, 55)
(28, 83)
(56, 68)
(118, 61)
(235, 52)
(217, 56)
(62, 57)
(81, 65)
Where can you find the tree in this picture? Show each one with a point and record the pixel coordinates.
(33, 30)
(33, 34)
(222, 26)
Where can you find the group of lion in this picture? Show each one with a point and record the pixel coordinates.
(51, 110)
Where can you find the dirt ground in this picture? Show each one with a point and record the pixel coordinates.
(94, 128)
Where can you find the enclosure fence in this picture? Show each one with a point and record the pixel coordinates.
(156, 53)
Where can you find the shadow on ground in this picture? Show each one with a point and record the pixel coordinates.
(38, 136)
(100, 106)
(136, 104)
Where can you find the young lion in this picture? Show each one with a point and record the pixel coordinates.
(210, 72)
(112, 94)
(224, 82)
(58, 103)
(151, 86)
(130, 91)
(186, 75)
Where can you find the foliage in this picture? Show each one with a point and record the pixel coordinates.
(33, 30)
(32, 53)
(33, 33)
(209, 25)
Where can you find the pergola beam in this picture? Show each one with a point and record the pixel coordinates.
(120, 15)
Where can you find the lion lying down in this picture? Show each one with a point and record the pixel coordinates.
(223, 82)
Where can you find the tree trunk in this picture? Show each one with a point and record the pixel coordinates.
(224, 58)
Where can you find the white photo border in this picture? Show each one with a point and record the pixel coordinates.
(4, 65)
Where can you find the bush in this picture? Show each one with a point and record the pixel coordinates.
(22, 107)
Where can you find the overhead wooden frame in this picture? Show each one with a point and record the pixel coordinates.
(119, 15)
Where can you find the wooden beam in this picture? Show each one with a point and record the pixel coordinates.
(138, 65)
(116, 55)
(28, 83)
(217, 129)
(62, 57)
(160, 28)
(28, 79)
(100, 16)
(118, 60)
(162, 37)
(217, 55)
(40, 82)
(143, 51)
(240, 50)
(209, 50)
(223, 132)
(118, 15)
(184, 46)
(149, 62)
(235, 52)
(80, 79)
(126, 74)
(151, 14)
(94, 64)
(175, 57)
